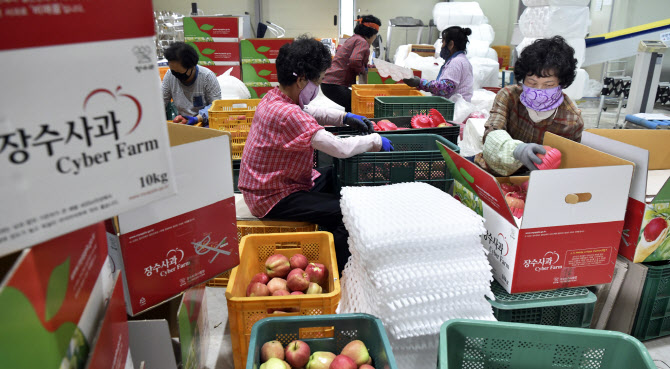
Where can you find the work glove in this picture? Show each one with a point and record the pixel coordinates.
(387, 145)
(190, 120)
(359, 122)
(412, 82)
(526, 153)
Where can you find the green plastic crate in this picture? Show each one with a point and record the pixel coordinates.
(401, 106)
(466, 344)
(567, 307)
(416, 158)
(653, 314)
(324, 333)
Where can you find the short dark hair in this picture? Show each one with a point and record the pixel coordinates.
(182, 52)
(305, 56)
(457, 34)
(547, 57)
(366, 31)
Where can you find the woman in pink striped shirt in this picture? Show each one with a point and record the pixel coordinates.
(455, 76)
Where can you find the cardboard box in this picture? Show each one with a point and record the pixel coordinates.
(111, 349)
(374, 78)
(423, 50)
(258, 92)
(216, 53)
(183, 317)
(72, 154)
(177, 243)
(261, 50)
(649, 198)
(52, 299)
(264, 72)
(569, 234)
(212, 29)
(221, 69)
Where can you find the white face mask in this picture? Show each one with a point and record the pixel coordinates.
(538, 116)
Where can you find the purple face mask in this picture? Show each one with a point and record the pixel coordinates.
(308, 94)
(541, 100)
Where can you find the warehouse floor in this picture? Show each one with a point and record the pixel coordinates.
(220, 355)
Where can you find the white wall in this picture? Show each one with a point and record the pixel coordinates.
(314, 17)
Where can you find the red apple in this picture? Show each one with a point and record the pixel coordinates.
(297, 293)
(366, 366)
(281, 293)
(257, 289)
(272, 349)
(298, 261)
(314, 289)
(343, 362)
(357, 351)
(277, 265)
(297, 353)
(298, 280)
(277, 284)
(260, 278)
(320, 360)
(317, 273)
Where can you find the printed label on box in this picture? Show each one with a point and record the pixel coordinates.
(208, 29)
(262, 50)
(209, 53)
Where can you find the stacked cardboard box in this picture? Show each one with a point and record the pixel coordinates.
(217, 42)
(259, 72)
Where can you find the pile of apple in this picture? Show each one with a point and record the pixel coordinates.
(298, 355)
(284, 276)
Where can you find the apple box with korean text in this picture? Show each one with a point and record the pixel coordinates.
(82, 134)
(171, 245)
(569, 233)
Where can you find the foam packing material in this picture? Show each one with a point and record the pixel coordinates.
(576, 89)
(547, 21)
(579, 44)
(530, 3)
(449, 14)
(417, 260)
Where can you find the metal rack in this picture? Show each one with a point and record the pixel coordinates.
(169, 28)
(406, 23)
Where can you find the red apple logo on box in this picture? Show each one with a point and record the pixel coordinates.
(130, 109)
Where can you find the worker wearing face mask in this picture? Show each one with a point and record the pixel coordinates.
(455, 76)
(522, 113)
(191, 87)
(277, 177)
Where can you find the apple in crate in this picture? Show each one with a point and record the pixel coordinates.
(357, 351)
(366, 366)
(260, 278)
(275, 363)
(298, 280)
(272, 349)
(297, 293)
(317, 273)
(257, 289)
(277, 265)
(298, 261)
(320, 360)
(314, 289)
(281, 293)
(277, 284)
(297, 353)
(343, 362)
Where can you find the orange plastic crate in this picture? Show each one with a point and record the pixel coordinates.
(244, 311)
(247, 227)
(504, 52)
(234, 116)
(363, 96)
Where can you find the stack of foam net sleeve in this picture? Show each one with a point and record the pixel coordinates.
(417, 261)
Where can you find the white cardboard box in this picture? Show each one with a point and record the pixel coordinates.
(557, 244)
(81, 117)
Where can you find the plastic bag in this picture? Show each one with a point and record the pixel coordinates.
(231, 87)
(446, 14)
(593, 88)
(530, 3)
(471, 141)
(428, 66)
(576, 90)
(484, 73)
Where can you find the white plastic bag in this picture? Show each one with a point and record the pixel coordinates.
(547, 21)
(593, 88)
(401, 53)
(579, 44)
(428, 66)
(484, 73)
(483, 100)
(231, 87)
(556, 2)
(576, 90)
(471, 144)
(455, 13)
(462, 108)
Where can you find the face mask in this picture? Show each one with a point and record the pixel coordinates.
(308, 94)
(445, 53)
(541, 100)
(181, 76)
(538, 116)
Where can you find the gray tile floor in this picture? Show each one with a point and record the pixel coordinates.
(220, 351)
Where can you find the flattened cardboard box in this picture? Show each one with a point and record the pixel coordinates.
(174, 244)
(559, 243)
(52, 300)
(81, 117)
(645, 235)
